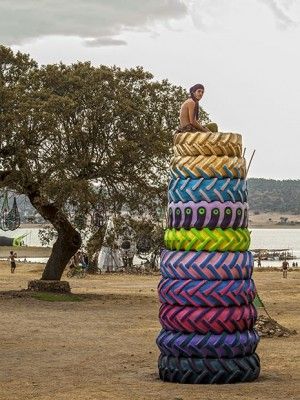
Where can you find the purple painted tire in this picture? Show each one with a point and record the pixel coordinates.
(206, 265)
(204, 293)
(209, 215)
(225, 345)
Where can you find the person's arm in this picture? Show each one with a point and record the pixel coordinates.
(192, 119)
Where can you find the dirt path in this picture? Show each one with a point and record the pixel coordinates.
(104, 347)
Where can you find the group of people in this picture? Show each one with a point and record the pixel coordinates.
(80, 259)
(284, 266)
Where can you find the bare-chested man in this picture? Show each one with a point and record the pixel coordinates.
(189, 113)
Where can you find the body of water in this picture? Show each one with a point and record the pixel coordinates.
(260, 239)
(276, 239)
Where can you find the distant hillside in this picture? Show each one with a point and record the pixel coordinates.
(270, 195)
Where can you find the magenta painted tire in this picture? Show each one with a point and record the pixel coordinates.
(188, 292)
(209, 215)
(207, 319)
(206, 265)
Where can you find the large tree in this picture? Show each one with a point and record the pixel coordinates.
(68, 130)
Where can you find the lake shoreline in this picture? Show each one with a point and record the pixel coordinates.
(274, 226)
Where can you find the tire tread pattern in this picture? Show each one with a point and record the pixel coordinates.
(206, 293)
(198, 370)
(206, 265)
(209, 190)
(225, 345)
(207, 167)
(207, 144)
(207, 319)
(207, 239)
(208, 215)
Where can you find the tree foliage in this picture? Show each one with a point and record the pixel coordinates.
(75, 136)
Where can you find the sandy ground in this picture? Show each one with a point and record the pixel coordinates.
(270, 220)
(104, 346)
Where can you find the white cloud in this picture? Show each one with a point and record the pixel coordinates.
(98, 22)
(210, 15)
(278, 8)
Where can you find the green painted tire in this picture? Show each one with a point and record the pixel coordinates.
(207, 239)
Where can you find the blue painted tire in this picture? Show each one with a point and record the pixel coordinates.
(206, 265)
(196, 190)
(206, 293)
(225, 345)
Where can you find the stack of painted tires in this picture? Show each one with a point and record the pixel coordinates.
(206, 291)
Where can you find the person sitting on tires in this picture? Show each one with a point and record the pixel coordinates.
(189, 113)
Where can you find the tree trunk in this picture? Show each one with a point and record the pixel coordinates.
(63, 249)
(68, 240)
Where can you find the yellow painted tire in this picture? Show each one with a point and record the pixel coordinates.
(207, 239)
(208, 144)
(208, 167)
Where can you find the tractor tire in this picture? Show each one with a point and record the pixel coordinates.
(206, 293)
(207, 239)
(207, 167)
(206, 265)
(225, 345)
(207, 319)
(207, 144)
(208, 190)
(208, 371)
(209, 215)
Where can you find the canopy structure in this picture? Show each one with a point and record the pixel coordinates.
(16, 242)
(109, 258)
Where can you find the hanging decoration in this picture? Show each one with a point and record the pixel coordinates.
(13, 217)
(4, 213)
(9, 218)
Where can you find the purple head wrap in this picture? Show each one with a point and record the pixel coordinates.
(192, 91)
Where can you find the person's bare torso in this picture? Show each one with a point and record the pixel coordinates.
(184, 112)
(13, 257)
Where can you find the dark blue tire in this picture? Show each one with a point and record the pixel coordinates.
(225, 345)
(208, 371)
(196, 190)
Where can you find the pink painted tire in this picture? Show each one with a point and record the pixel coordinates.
(206, 265)
(209, 215)
(207, 319)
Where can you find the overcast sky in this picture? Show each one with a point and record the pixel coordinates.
(245, 52)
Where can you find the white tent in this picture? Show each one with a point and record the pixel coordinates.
(109, 258)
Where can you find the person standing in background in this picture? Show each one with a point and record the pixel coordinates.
(12, 257)
(285, 265)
